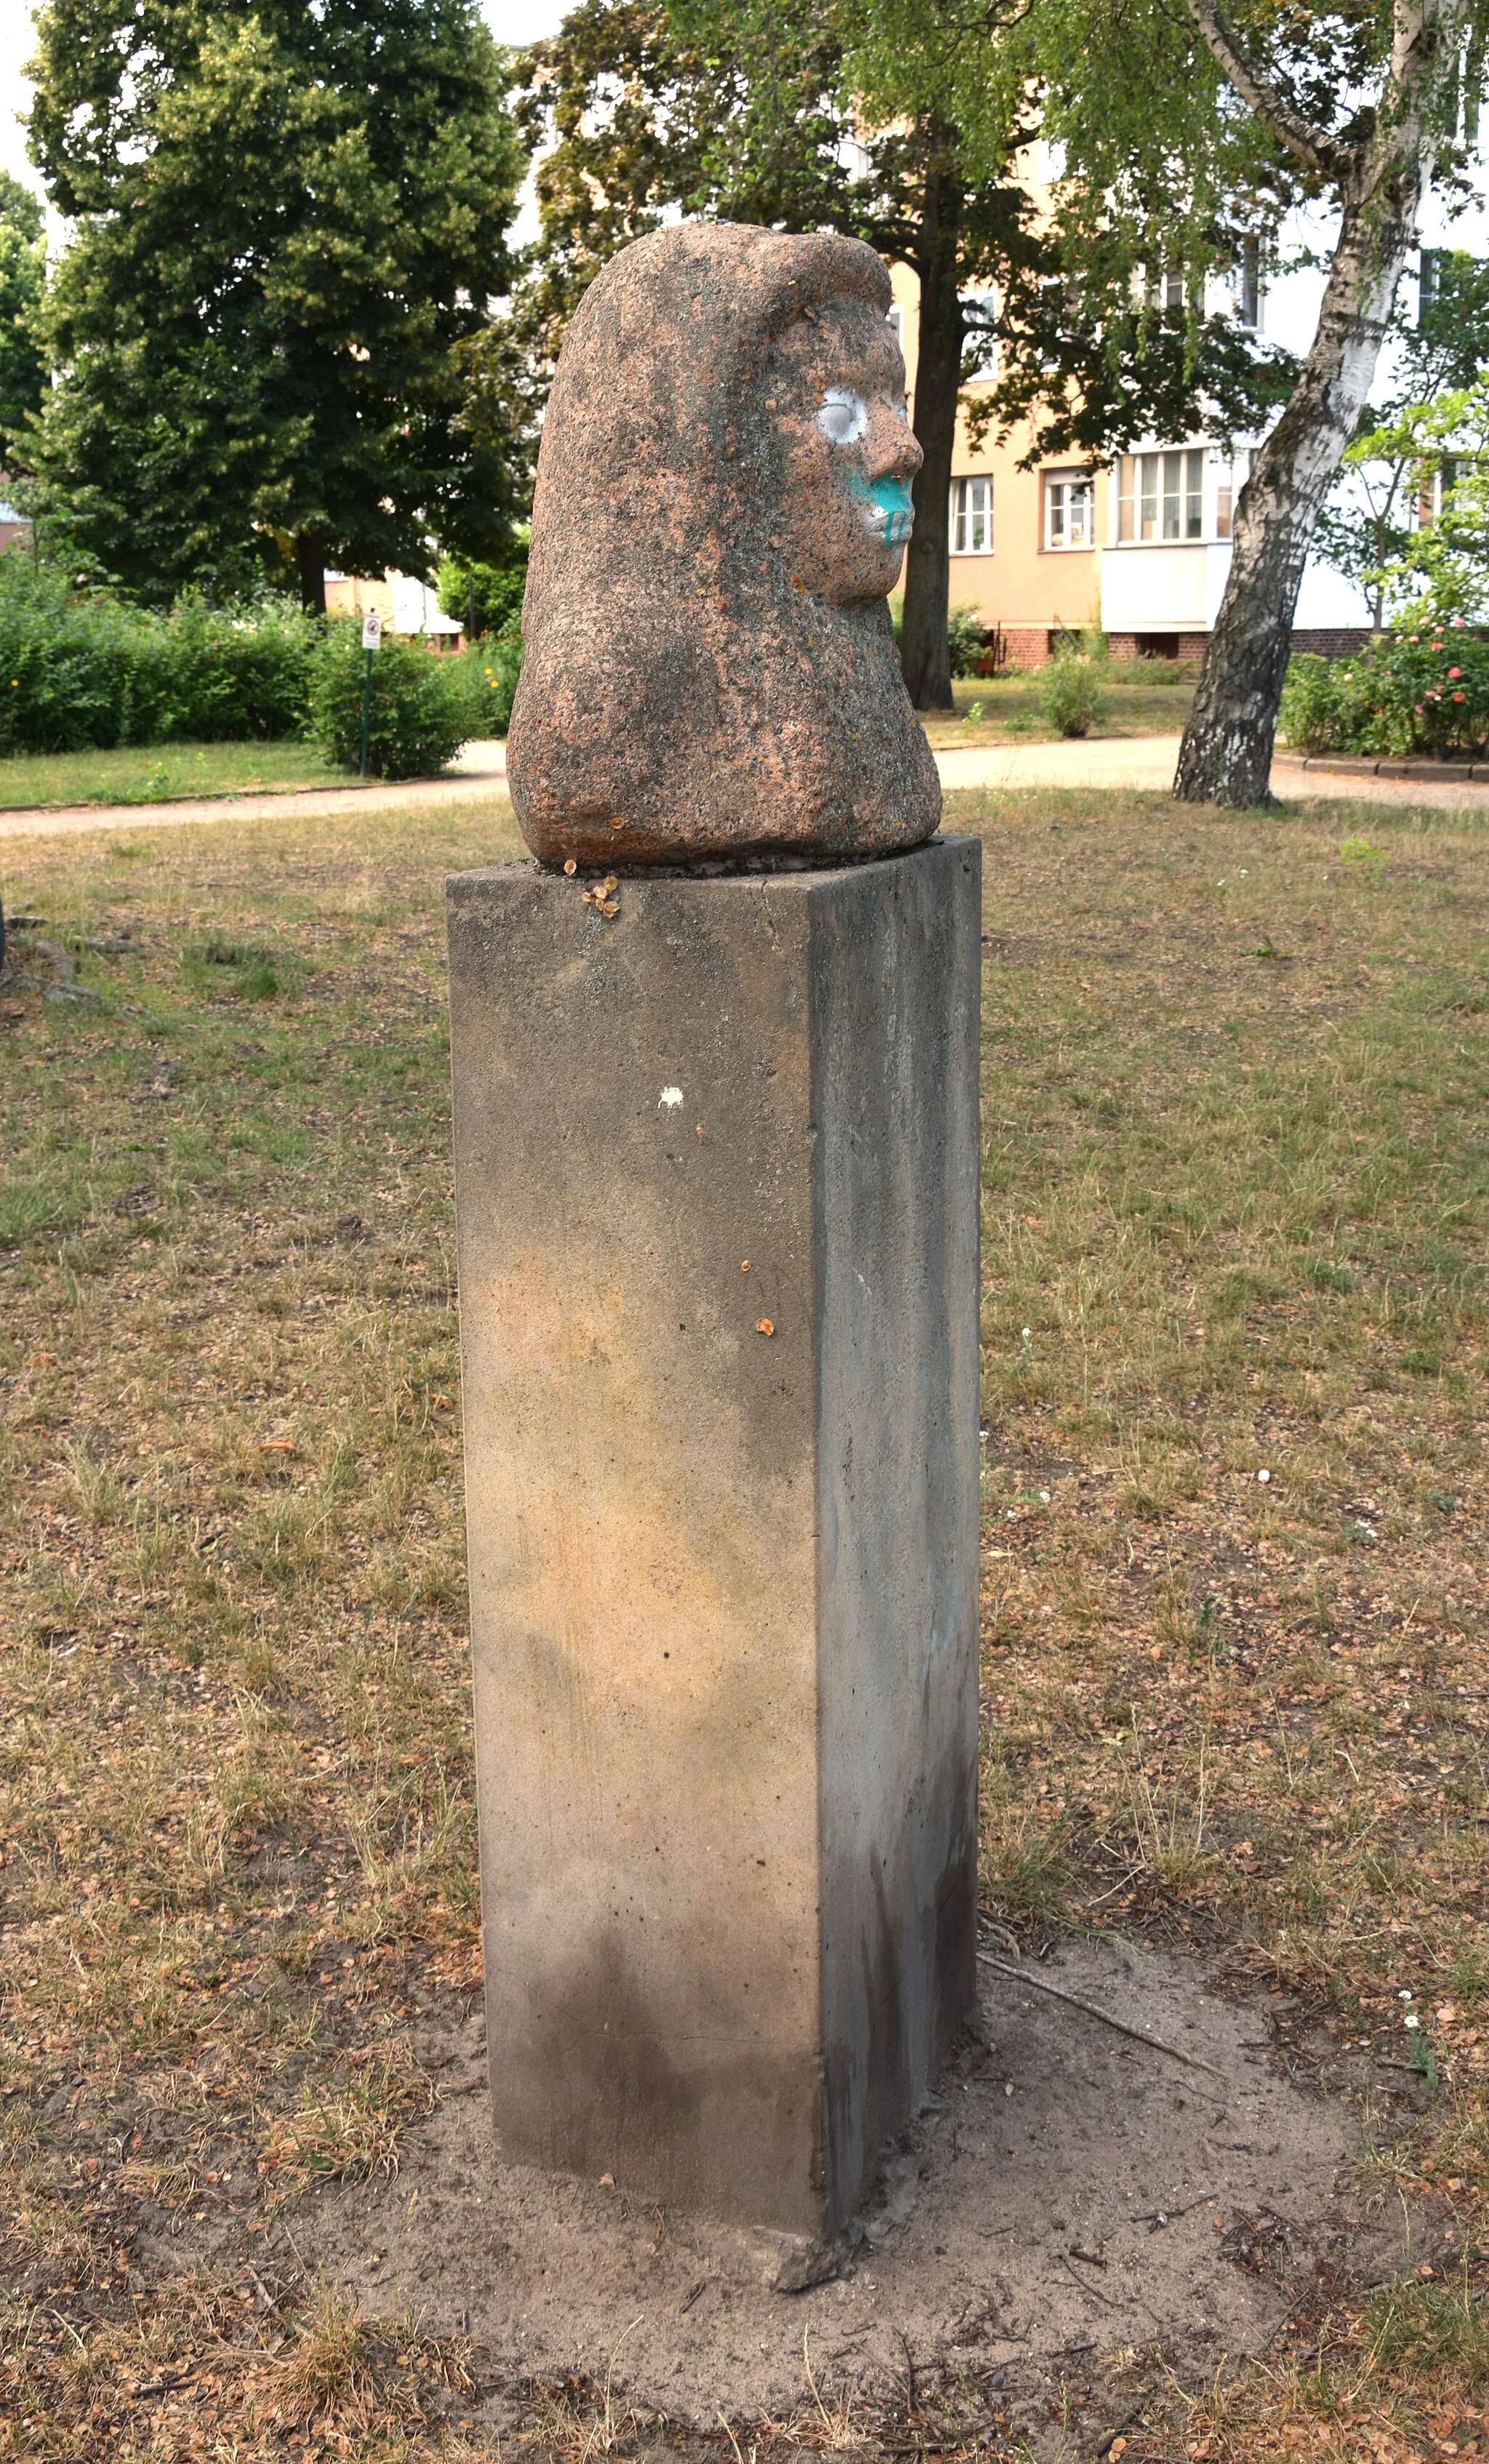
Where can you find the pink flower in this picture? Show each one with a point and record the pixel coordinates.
(1457, 696)
(1455, 620)
(1413, 637)
(1437, 646)
(1454, 675)
(1419, 710)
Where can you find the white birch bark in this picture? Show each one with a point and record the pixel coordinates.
(1226, 756)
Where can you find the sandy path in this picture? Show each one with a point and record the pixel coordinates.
(480, 771)
(1144, 762)
(1147, 762)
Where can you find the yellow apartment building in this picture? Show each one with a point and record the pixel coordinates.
(1140, 547)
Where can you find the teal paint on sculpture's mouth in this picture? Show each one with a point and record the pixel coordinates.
(887, 505)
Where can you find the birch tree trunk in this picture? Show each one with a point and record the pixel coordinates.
(1226, 755)
(925, 660)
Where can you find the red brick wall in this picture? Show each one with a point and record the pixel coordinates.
(1332, 641)
(1028, 645)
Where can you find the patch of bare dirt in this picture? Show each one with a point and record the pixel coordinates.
(1069, 2191)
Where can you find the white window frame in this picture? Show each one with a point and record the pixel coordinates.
(971, 514)
(1159, 497)
(1069, 493)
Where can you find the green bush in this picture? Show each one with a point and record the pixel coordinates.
(488, 673)
(1424, 692)
(420, 714)
(1072, 696)
(81, 669)
(967, 640)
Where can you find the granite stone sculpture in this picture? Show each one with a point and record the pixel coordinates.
(722, 506)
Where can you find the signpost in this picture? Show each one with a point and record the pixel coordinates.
(371, 640)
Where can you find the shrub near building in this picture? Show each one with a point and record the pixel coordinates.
(1422, 691)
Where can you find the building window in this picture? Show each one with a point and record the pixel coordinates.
(1068, 504)
(1162, 495)
(971, 516)
(1172, 291)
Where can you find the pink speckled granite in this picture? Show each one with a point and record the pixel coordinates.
(722, 505)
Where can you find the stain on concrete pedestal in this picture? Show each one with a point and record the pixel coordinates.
(718, 1182)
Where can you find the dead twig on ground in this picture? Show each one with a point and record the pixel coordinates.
(1077, 2002)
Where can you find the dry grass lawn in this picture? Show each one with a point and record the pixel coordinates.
(1236, 1670)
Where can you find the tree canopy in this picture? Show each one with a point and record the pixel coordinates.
(23, 366)
(1371, 522)
(290, 224)
(751, 110)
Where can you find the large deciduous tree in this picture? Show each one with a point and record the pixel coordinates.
(739, 113)
(1175, 117)
(747, 109)
(289, 223)
(23, 362)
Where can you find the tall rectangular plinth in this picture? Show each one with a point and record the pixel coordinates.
(716, 1190)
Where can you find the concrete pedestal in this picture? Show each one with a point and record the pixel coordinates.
(722, 1516)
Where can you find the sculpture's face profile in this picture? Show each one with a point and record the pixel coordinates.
(836, 383)
(722, 507)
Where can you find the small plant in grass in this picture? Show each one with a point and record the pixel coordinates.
(1430, 2326)
(1072, 695)
(1419, 2052)
(1364, 858)
(419, 712)
(244, 969)
(331, 2361)
(1022, 1868)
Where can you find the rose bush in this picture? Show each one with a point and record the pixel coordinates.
(1423, 688)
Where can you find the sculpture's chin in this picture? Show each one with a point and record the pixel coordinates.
(892, 530)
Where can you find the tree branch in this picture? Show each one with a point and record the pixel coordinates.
(1319, 151)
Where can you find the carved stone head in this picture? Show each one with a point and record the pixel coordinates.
(723, 503)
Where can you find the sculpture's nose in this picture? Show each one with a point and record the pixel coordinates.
(891, 449)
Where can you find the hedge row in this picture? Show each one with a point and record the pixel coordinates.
(82, 669)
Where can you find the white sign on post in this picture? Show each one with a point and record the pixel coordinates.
(372, 630)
